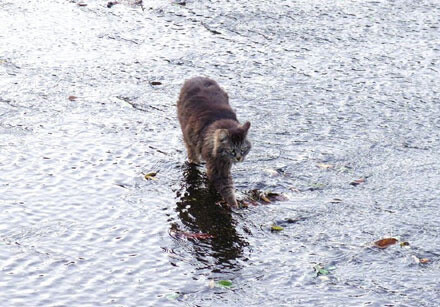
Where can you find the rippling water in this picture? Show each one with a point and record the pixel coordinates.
(336, 91)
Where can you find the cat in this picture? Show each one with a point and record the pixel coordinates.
(212, 133)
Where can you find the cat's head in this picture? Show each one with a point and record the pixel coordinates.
(232, 143)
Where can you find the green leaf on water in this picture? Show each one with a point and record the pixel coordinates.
(320, 270)
(224, 283)
(172, 296)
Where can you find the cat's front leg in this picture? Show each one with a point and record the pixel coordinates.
(229, 196)
(221, 179)
(193, 156)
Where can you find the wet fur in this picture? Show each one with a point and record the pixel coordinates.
(211, 132)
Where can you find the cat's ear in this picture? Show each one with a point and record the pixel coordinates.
(246, 126)
(222, 135)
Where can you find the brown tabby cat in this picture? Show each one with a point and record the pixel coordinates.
(212, 132)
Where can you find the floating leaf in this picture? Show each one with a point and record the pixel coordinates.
(325, 166)
(224, 283)
(421, 260)
(111, 3)
(320, 270)
(151, 176)
(72, 98)
(336, 201)
(276, 196)
(266, 197)
(246, 203)
(403, 244)
(156, 83)
(180, 2)
(172, 296)
(384, 243)
(357, 182)
(276, 228)
(424, 260)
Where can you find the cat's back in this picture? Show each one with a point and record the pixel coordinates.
(202, 92)
(202, 102)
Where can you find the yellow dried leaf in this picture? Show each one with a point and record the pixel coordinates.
(264, 197)
(404, 244)
(150, 176)
(276, 228)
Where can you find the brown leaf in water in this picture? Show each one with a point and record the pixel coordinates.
(276, 196)
(384, 243)
(265, 197)
(244, 203)
(357, 182)
(156, 83)
(420, 260)
(72, 98)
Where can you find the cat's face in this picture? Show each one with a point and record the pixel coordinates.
(233, 144)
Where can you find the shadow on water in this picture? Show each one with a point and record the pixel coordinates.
(210, 227)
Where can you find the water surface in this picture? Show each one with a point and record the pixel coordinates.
(336, 91)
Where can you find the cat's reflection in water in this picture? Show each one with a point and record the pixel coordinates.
(208, 225)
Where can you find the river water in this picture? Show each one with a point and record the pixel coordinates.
(337, 91)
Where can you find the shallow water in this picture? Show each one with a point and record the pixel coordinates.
(335, 90)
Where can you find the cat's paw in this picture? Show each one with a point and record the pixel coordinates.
(233, 204)
(224, 204)
(194, 162)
